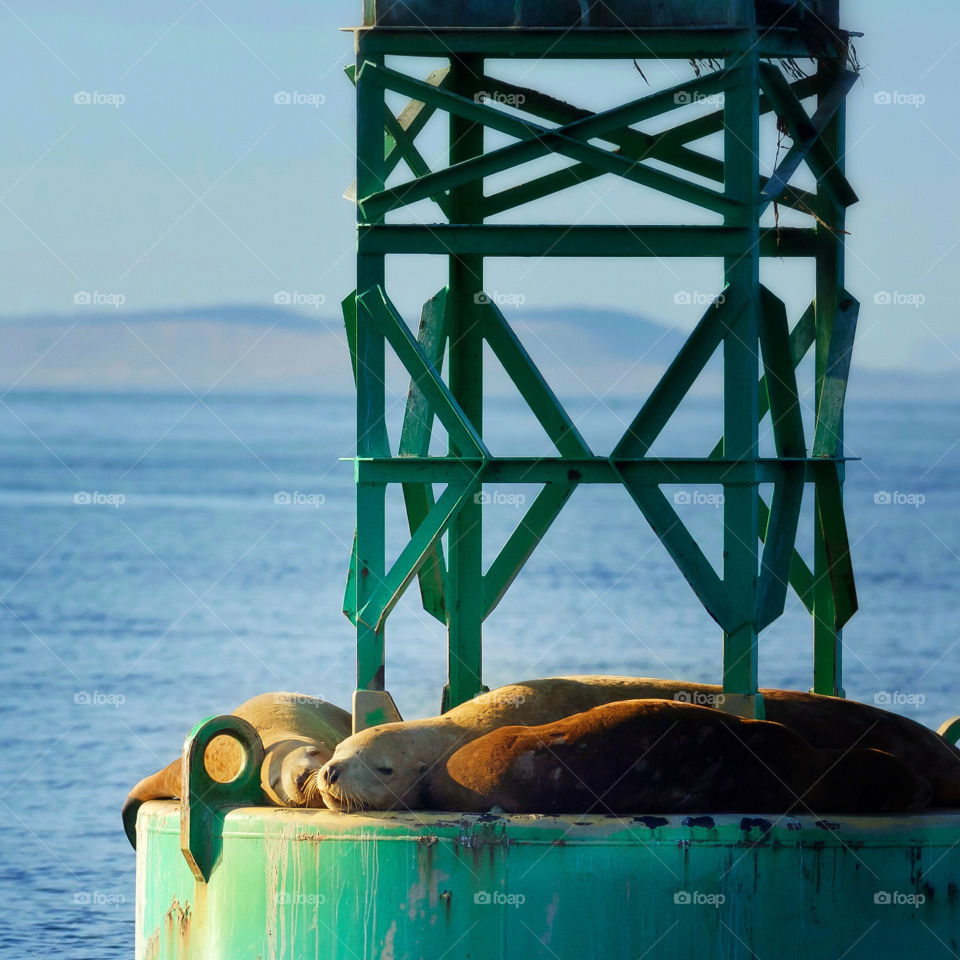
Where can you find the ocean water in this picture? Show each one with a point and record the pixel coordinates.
(149, 578)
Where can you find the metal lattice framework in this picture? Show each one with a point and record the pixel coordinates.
(748, 323)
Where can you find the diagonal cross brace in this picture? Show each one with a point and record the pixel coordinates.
(415, 442)
(537, 140)
(523, 541)
(533, 387)
(779, 378)
(411, 120)
(680, 376)
(826, 441)
(680, 544)
(411, 355)
(420, 547)
(783, 518)
(807, 133)
(632, 143)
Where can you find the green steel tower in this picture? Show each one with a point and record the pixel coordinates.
(747, 322)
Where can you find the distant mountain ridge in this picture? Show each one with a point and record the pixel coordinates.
(581, 351)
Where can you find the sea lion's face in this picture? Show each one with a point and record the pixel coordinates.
(375, 769)
(299, 784)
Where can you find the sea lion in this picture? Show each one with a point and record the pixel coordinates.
(385, 767)
(658, 756)
(299, 734)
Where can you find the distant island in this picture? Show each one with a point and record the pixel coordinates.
(279, 349)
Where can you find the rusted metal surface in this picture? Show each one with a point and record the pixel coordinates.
(313, 883)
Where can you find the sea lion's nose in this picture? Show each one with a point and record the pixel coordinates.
(330, 773)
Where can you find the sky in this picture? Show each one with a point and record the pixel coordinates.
(144, 159)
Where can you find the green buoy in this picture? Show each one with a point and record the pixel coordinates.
(219, 876)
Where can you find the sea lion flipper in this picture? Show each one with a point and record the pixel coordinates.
(162, 785)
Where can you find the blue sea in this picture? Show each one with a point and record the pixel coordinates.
(165, 558)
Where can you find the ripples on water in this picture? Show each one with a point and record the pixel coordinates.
(124, 624)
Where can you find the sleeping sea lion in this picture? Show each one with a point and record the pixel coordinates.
(658, 756)
(299, 734)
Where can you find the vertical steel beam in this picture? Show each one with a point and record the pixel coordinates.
(827, 636)
(465, 574)
(371, 426)
(740, 393)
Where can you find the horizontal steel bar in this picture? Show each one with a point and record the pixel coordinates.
(593, 43)
(511, 240)
(647, 470)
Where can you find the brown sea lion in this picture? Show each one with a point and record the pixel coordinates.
(299, 734)
(386, 767)
(659, 756)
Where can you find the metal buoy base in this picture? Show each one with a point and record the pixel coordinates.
(293, 884)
